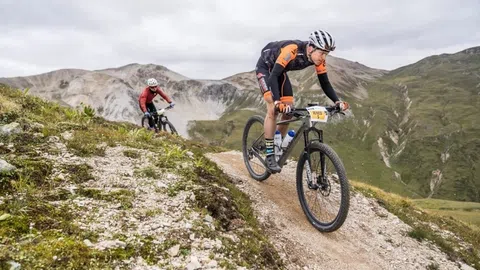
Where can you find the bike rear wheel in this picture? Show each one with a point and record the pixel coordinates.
(253, 147)
(322, 187)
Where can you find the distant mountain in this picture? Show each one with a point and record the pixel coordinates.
(425, 119)
(114, 92)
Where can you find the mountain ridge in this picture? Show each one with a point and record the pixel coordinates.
(113, 92)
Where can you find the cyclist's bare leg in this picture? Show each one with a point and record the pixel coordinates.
(269, 128)
(270, 118)
(284, 127)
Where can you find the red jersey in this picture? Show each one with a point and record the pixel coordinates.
(147, 96)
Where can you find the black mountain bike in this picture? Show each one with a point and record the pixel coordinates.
(160, 121)
(322, 184)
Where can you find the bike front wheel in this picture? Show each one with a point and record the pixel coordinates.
(322, 187)
(168, 127)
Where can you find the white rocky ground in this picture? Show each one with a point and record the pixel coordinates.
(148, 211)
(143, 211)
(371, 237)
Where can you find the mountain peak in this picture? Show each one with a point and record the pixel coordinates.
(472, 50)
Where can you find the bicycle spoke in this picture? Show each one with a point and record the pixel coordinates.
(325, 201)
(254, 148)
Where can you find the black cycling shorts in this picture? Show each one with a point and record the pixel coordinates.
(263, 72)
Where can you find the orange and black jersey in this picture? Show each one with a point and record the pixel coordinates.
(290, 54)
(277, 58)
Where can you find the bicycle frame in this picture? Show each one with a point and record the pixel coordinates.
(304, 130)
(158, 116)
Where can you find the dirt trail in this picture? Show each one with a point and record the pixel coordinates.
(371, 237)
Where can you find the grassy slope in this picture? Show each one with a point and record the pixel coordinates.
(26, 193)
(444, 117)
(458, 239)
(466, 211)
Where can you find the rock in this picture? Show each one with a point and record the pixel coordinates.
(190, 154)
(381, 212)
(208, 219)
(61, 177)
(87, 243)
(5, 166)
(53, 139)
(14, 265)
(38, 135)
(161, 185)
(173, 251)
(108, 244)
(207, 245)
(212, 264)
(155, 226)
(218, 243)
(466, 267)
(194, 263)
(12, 128)
(188, 226)
(37, 126)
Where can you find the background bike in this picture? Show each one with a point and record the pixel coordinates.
(321, 180)
(160, 121)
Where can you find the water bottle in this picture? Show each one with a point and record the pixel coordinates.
(288, 138)
(277, 141)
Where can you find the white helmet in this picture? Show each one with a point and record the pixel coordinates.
(322, 40)
(152, 82)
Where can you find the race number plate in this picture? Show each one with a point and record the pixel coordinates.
(318, 114)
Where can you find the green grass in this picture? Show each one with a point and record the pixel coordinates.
(131, 154)
(226, 132)
(468, 212)
(149, 172)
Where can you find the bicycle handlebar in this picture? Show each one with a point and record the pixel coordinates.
(298, 112)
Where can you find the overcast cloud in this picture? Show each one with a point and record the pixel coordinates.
(216, 39)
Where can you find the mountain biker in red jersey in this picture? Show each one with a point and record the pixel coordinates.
(145, 100)
(276, 59)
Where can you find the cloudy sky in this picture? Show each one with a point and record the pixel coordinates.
(214, 39)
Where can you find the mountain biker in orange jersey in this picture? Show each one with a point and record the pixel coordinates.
(276, 59)
(145, 100)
